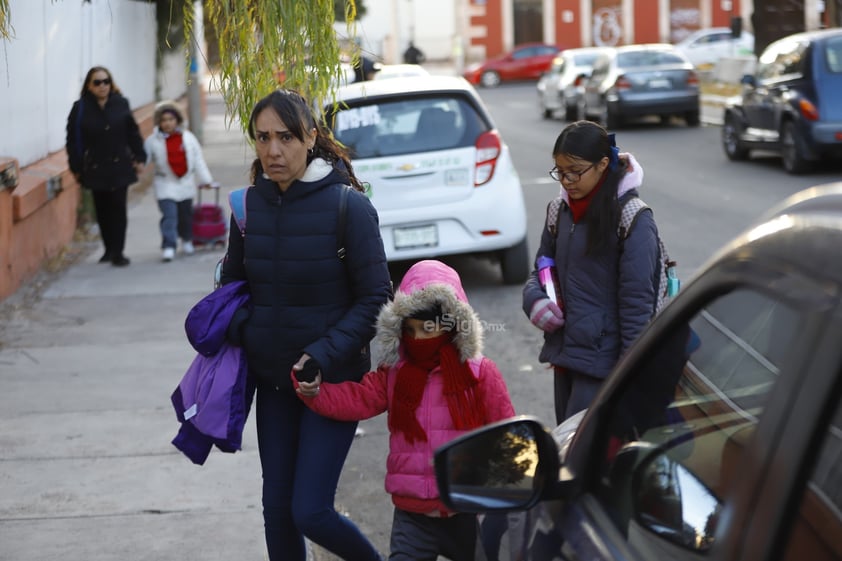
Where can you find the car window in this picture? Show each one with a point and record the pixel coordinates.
(818, 525)
(679, 427)
(525, 53)
(396, 126)
(833, 54)
(780, 60)
(584, 60)
(646, 58)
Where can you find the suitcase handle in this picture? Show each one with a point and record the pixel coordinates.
(214, 185)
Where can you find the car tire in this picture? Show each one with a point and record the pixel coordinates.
(489, 79)
(515, 263)
(609, 119)
(692, 118)
(731, 143)
(546, 113)
(792, 150)
(571, 112)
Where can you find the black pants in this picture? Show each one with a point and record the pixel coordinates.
(112, 218)
(416, 537)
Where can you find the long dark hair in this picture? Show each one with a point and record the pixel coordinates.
(296, 114)
(90, 75)
(585, 140)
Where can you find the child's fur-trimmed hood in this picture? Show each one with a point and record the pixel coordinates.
(426, 284)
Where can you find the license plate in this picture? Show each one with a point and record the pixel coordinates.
(659, 83)
(417, 236)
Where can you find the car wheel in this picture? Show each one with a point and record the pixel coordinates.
(571, 112)
(546, 113)
(489, 79)
(609, 119)
(734, 149)
(692, 118)
(514, 263)
(792, 150)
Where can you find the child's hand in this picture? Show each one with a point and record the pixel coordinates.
(309, 389)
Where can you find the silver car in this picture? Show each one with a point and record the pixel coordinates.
(560, 88)
(634, 81)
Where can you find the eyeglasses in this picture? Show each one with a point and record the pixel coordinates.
(569, 176)
(106, 81)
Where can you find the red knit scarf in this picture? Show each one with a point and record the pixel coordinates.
(466, 408)
(175, 154)
(578, 207)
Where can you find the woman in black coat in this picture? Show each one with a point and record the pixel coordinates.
(105, 152)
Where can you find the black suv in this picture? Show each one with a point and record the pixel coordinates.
(718, 436)
(792, 103)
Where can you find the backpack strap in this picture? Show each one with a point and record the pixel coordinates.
(553, 215)
(628, 216)
(237, 201)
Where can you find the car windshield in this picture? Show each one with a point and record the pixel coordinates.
(585, 59)
(394, 126)
(647, 58)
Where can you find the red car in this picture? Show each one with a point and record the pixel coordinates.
(525, 62)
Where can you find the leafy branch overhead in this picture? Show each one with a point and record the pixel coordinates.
(263, 43)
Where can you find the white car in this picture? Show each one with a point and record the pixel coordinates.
(705, 47)
(441, 177)
(561, 87)
(388, 71)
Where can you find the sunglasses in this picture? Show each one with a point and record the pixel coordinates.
(106, 81)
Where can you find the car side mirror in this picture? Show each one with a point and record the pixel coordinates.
(501, 467)
(748, 80)
(670, 501)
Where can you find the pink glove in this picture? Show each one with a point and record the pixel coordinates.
(546, 315)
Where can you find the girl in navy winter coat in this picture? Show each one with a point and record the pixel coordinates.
(309, 306)
(608, 287)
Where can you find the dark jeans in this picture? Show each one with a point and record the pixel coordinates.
(416, 537)
(574, 391)
(302, 454)
(112, 218)
(176, 221)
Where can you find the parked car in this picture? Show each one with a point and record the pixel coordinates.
(791, 104)
(560, 88)
(704, 47)
(442, 178)
(633, 81)
(718, 436)
(525, 62)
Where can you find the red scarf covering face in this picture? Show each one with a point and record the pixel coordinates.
(578, 207)
(422, 356)
(175, 154)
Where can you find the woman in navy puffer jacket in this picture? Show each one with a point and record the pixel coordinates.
(310, 310)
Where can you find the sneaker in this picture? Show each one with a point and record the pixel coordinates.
(168, 254)
(187, 247)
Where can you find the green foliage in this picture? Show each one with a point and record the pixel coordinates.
(339, 7)
(6, 29)
(266, 43)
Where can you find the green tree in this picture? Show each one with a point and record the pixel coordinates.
(260, 39)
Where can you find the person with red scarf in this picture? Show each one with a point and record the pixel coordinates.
(608, 286)
(436, 385)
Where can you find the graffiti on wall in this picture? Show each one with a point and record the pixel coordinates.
(685, 18)
(607, 23)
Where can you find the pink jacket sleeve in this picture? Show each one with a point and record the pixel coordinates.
(493, 390)
(351, 401)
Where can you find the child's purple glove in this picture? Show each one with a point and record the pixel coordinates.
(546, 315)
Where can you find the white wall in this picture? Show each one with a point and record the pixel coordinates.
(431, 21)
(55, 43)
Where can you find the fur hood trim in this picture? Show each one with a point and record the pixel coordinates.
(425, 284)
